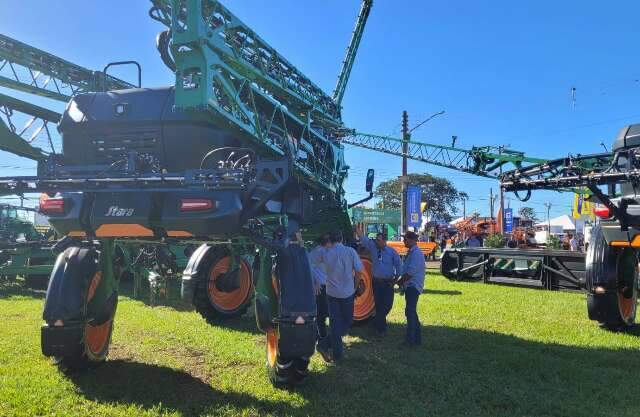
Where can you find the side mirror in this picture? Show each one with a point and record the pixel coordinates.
(370, 176)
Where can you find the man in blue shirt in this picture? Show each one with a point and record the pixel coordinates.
(412, 280)
(385, 268)
(343, 267)
(319, 274)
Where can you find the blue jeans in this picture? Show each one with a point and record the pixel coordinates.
(383, 296)
(340, 319)
(413, 336)
(322, 312)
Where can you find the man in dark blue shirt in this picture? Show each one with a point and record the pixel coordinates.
(386, 267)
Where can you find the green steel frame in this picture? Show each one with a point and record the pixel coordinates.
(31, 70)
(485, 161)
(225, 72)
(18, 140)
(352, 49)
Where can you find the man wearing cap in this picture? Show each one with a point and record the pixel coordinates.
(412, 280)
(343, 267)
(386, 267)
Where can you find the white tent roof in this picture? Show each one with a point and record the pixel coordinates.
(456, 221)
(564, 221)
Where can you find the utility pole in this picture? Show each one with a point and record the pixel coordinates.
(501, 222)
(548, 206)
(464, 208)
(491, 203)
(405, 147)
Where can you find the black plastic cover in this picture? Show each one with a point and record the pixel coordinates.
(628, 137)
(297, 296)
(68, 285)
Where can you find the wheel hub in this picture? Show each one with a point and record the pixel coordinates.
(228, 281)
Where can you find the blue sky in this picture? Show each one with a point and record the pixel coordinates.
(501, 70)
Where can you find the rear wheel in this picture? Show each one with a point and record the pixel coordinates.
(221, 293)
(612, 281)
(97, 335)
(78, 333)
(364, 304)
(281, 370)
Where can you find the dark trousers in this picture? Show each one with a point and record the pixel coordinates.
(340, 319)
(322, 313)
(383, 296)
(413, 335)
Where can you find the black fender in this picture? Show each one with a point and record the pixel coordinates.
(262, 306)
(600, 262)
(192, 270)
(65, 299)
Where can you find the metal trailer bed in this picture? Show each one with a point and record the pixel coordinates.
(536, 268)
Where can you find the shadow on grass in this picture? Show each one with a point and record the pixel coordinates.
(441, 292)
(461, 371)
(456, 371)
(174, 301)
(152, 386)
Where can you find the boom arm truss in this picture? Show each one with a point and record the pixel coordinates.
(19, 140)
(31, 70)
(485, 161)
(352, 49)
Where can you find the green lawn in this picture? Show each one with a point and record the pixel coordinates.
(488, 351)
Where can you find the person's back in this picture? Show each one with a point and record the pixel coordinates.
(573, 243)
(340, 261)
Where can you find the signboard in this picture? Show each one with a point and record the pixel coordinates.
(581, 206)
(508, 220)
(414, 215)
(365, 215)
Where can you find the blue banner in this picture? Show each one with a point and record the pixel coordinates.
(414, 216)
(508, 220)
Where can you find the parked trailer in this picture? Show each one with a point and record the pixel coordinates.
(536, 268)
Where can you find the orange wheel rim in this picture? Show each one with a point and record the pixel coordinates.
(229, 301)
(93, 285)
(626, 305)
(96, 338)
(364, 304)
(274, 284)
(272, 347)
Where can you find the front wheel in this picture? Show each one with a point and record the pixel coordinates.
(612, 282)
(79, 311)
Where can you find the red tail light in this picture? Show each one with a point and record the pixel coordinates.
(196, 204)
(52, 205)
(602, 211)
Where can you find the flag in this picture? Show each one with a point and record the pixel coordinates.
(581, 205)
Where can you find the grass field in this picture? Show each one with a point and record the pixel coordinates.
(488, 351)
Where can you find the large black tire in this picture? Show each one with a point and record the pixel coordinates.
(281, 370)
(74, 281)
(611, 277)
(214, 303)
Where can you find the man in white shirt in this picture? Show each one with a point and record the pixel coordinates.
(343, 268)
